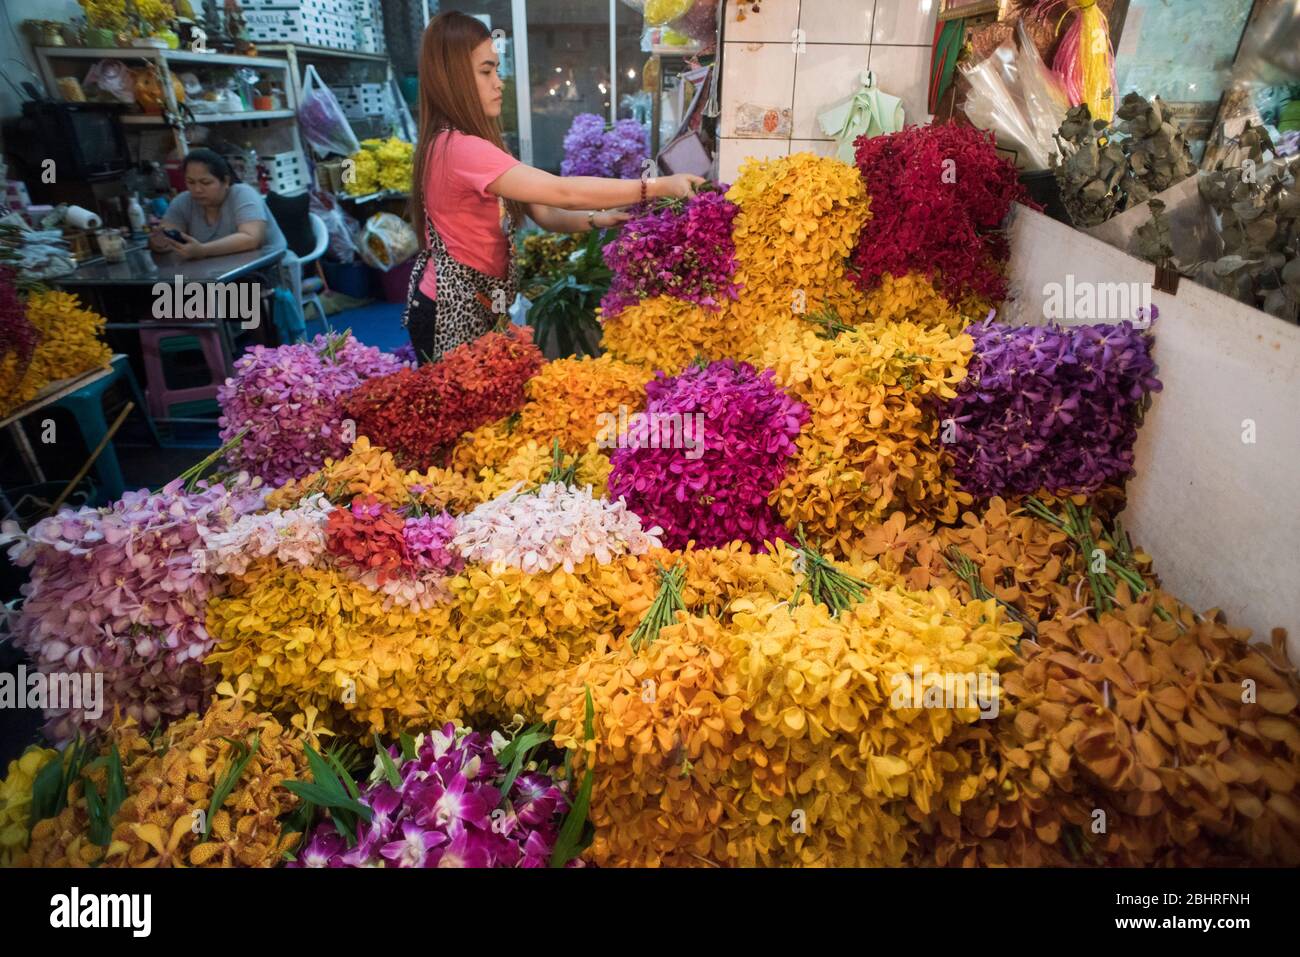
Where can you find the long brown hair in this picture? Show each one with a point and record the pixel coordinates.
(449, 99)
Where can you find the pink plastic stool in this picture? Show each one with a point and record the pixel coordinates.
(162, 398)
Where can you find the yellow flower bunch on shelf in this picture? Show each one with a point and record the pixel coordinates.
(380, 164)
(69, 345)
(873, 445)
(16, 800)
(315, 637)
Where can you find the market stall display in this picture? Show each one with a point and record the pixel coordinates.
(817, 566)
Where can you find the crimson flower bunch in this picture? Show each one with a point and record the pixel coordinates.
(938, 197)
(451, 806)
(418, 414)
(18, 337)
(368, 536)
(680, 250)
(1052, 409)
(290, 398)
(703, 458)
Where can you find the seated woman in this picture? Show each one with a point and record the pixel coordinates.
(215, 215)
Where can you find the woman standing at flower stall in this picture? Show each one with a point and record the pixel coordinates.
(468, 194)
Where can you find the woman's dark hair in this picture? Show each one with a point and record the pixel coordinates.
(217, 164)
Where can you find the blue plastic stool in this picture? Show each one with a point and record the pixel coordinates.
(87, 407)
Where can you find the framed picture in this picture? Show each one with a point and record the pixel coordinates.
(954, 9)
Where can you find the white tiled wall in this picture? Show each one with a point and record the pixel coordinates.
(841, 39)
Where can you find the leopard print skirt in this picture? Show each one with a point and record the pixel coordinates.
(469, 304)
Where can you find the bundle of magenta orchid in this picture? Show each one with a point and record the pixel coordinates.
(711, 447)
(451, 798)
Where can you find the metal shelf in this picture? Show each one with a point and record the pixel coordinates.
(152, 53)
(202, 119)
(310, 52)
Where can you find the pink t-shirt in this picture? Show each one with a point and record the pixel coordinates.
(466, 215)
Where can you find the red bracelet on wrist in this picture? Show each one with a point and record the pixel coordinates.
(643, 188)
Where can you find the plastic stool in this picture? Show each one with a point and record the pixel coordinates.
(87, 407)
(162, 343)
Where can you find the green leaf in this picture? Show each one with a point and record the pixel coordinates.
(408, 746)
(522, 746)
(570, 842)
(240, 756)
(116, 781)
(343, 773)
(99, 831)
(386, 759)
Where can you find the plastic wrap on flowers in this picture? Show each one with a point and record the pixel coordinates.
(1050, 408)
(938, 195)
(418, 414)
(703, 458)
(799, 219)
(680, 250)
(118, 592)
(873, 445)
(370, 470)
(319, 637)
(445, 810)
(155, 826)
(290, 400)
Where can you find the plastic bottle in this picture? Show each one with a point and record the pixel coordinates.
(135, 214)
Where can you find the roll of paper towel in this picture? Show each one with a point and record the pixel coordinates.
(82, 218)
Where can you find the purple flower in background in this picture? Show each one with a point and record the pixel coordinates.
(413, 847)
(591, 150)
(1048, 408)
(584, 147)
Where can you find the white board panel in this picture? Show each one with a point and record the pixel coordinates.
(1220, 516)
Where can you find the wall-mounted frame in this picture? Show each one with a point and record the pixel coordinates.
(956, 9)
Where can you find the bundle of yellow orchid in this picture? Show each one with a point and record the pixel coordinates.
(873, 445)
(573, 399)
(799, 219)
(317, 638)
(68, 343)
(368, 469)
(666, 722)
(16, 799)
(518, 629)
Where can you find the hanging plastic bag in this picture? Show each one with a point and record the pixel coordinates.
(341, 227)
(869, 112)
(112, 78)
(322, 119)
(387, 241)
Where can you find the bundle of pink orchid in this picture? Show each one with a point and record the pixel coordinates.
(115, 591)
